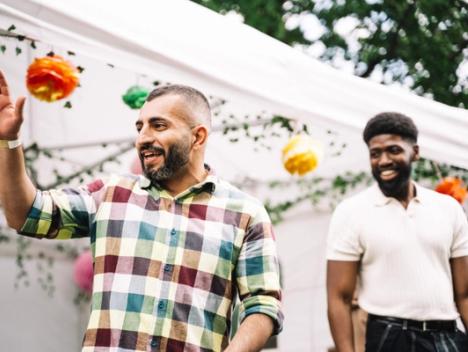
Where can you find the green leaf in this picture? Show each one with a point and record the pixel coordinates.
(11, 28)
(18, 51)
(68, 105)
(3, 49)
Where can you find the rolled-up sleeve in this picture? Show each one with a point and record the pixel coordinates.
(62, 214)
(257, 271)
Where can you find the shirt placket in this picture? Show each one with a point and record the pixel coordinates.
(163, 308)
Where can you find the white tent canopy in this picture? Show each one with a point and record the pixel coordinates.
(178, 39)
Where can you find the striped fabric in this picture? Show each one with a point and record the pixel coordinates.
(166, 269)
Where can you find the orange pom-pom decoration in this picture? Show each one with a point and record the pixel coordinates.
(51, 78)
(454, 187)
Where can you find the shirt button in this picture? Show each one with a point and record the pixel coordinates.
(154, 343)
(173, 232)
(167, 267)
(161, 305)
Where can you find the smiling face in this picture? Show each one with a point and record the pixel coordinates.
(164, 138)
(391, 157)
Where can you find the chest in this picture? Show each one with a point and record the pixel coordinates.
(168, 234)
(392, 230)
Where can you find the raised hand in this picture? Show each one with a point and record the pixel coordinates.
(11, 116)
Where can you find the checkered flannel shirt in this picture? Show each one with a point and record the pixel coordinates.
(166, 269)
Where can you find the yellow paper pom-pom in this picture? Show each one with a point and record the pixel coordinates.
(51, 78)
(302, 154)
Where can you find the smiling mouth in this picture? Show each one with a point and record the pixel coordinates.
(149, 155)
(388, 174)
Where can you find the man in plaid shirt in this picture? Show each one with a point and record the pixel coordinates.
(172, 249)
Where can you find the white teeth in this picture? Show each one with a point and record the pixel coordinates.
(387, 172)
(150, 154)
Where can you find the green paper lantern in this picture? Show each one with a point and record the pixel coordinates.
(135, 97)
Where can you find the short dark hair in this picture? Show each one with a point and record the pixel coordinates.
(391, 123)
(194, 97)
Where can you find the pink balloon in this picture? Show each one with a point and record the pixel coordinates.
(135, 168)
(83, 271)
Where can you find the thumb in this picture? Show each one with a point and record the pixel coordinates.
(19, 109)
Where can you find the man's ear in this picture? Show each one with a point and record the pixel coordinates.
(415, 153)
(199, 136)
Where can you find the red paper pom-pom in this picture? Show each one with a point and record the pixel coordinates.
(51, 78)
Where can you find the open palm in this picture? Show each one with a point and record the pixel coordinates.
(11, 115)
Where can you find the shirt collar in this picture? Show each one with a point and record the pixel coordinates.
(208, 184)
(381, 199)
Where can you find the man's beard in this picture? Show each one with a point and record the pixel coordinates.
(175, 159)
(398, 186)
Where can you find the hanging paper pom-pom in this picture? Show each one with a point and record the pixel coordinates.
(135, 97)
(302, 154)
(135, 168)
(454, 187)
(83, 271)
(51, 78)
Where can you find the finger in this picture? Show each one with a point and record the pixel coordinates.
(19, 108)
(3, 85)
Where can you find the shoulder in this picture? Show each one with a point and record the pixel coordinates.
(358, 202)
(235, 199)
(436, 199)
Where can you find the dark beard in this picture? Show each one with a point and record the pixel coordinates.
(177, 157)
(398, 187)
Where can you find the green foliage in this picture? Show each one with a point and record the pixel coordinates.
(318, 191)
(264, 15)
(418, 43)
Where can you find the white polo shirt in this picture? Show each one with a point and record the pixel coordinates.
(404, 253)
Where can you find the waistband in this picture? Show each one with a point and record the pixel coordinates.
(423, 325)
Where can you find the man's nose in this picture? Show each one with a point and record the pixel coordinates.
(144, 137)
(384, 160)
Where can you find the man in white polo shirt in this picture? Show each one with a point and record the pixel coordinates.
(408, 245)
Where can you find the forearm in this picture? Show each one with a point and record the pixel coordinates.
(252, 335)
(462, 305)
(17, 192)
(339, 316)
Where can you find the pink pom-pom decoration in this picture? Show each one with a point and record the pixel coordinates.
(83, 271)
(135, 168)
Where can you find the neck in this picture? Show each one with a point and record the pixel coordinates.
(188, 177)
(405, 193)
